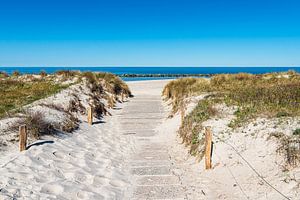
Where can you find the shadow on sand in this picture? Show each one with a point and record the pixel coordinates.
(39, 143)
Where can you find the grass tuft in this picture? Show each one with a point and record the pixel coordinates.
(36, 123)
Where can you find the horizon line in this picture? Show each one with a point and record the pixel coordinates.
(149, 66)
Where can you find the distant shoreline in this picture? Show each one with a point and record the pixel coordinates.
(164, 75)
(129, 72)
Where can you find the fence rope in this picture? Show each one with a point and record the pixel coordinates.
(251, 167)
(240, 187)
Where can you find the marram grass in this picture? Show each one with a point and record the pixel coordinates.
(268, 95)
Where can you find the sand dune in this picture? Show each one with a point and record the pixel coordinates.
(96, 161)
(136, 154)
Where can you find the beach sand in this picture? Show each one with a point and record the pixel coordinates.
(136, 154)
(108, 160)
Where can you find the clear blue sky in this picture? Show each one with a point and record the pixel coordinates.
(149, 33)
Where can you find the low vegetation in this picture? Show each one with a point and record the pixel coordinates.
(297, 132)
(36, 124)
(19, 90)
(289, 146)
(192, 125)
(3, 75)
(114, 84)
(15, 94)
(179, 90)
(267, 95)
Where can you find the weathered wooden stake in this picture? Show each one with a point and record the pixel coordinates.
(182, 114)
(90, 115)
(208, 147)
(122, 97)
(110, 103)
(23, 137)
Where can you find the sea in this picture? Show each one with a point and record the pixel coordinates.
(153, 70)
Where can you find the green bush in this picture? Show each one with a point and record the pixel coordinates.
(297, 132)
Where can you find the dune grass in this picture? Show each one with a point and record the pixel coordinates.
(178, 90)
(15, 94)
(192, 125)
(267, 95)
(260, 95)
(116, 85)
(18, 90)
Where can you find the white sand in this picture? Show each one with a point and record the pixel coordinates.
(85, 165)
(232, 177)
(136, 154)
(90, 164)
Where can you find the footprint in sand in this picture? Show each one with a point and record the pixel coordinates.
(100, 181)
(117, 183)
(86, 195)
(52, 189)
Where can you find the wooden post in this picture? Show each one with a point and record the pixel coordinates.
(23, 137)
(182, 114)
(90, 115)
(110, 103)
(208, 147)
(122, 97)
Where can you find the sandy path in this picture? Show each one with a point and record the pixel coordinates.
(151, 165)
(132, 155)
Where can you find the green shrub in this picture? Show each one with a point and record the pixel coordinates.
(297, 132)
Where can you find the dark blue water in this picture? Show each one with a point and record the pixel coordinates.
(154, 70)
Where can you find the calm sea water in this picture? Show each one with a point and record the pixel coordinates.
(154, 70)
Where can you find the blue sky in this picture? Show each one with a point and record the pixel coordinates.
(149, 33)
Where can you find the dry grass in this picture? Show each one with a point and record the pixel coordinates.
(3, 75)
(114, 84)
(71, 122)
(66, 73)
(192, 125)
(38, 126)
(43, 73)
(36, 123)
(53, 106)
(17, 91)
(265, 95)
(268, 95)
(75, 105)
(178, 90)
(15, 94)
(289, 146)
(16, 73)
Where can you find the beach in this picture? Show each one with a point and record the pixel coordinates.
(136, 154)
(149, 100)
(109, 160)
